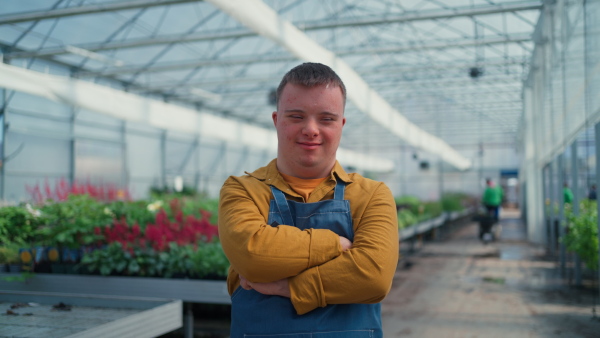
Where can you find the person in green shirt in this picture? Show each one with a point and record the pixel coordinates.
(492, 197)
(567, 194)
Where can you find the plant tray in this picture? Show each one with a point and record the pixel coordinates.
(69, 315)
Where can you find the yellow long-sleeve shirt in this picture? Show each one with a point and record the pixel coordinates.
(319, 272)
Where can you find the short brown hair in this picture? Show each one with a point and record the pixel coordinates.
(311, 74)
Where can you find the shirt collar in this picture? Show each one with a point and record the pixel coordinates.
(271, 176)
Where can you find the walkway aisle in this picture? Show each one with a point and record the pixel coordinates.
(462, 288)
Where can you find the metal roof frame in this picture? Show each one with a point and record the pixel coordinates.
(448, 38)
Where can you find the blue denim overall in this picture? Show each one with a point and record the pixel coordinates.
(257, 315)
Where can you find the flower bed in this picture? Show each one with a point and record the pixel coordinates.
(107, 234)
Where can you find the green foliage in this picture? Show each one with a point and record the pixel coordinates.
(114, 260)
(22, 277)
(454, 201)
(411, 203)
(9, 254)
(18, 224)
(106, 261)
(71, 223)
(431, 209)
(209, 261)
(212, 206)
(406, 218)
(582, 234)
(133, 212)
(411, 210)
(179, 259)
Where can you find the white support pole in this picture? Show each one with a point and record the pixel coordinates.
(546, 197)
(552, 216)
(597, 137)
(561, 212)
(576, 194)
(534, 175)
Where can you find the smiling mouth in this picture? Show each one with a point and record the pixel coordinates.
(309, 145)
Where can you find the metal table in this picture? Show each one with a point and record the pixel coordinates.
(186, 290)
(38, 314)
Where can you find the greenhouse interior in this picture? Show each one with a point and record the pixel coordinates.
(121, 121)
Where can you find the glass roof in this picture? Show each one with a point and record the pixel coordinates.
(452, 67)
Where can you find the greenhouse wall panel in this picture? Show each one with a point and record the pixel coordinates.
(143, 157)
(99, 162)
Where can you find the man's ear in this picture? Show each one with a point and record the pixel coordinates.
(274, 116)
(343, 121)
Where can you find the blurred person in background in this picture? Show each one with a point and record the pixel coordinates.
(567, 193)
(592, 193)
(492, 198)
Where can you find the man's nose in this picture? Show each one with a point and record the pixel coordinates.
(311, 128)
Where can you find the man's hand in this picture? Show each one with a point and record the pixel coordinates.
(345, 242)
(277, 288)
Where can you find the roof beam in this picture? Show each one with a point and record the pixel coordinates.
(306, 26)
(426, 15)
(365, 72)
(87, 9)
(178, 65)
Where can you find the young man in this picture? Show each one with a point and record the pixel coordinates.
(313, 249)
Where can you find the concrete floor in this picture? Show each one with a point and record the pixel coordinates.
(459, 287)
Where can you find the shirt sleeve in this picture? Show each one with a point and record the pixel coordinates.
(262, 253)
(362, 274)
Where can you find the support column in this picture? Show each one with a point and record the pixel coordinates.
(551, 214)
(188, 321)
(576, 193)
(546, 213)
(3, 127)
(72, 147)
(561, 212)
(535, 183)
(437, 231)
(163, 159)
(197, 164)
(597, 137)
(124, 164)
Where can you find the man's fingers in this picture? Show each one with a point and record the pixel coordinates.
(245, 284)
(345, 243)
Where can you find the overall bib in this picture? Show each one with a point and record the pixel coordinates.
(257, 315)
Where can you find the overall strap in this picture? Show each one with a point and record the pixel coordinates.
(340, 188)
(282, 206)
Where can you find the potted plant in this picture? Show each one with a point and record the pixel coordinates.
(9, 258)
(209, 262)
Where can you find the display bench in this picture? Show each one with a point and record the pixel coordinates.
(185, 290)
(423, 227)
(44, 314)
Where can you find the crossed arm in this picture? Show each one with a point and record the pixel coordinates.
(281, 287)
(312, 267)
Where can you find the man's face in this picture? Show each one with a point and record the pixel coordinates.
(309, 125)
